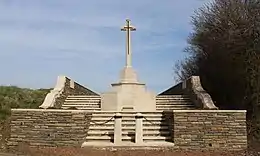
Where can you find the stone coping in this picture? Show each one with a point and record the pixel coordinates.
(182, 111)
(128, 144)
(211, 111)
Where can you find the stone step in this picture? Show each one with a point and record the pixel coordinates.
(124, 114)
(130, 122)
(172, 102)
(130, 128)
(175, 95)
(82, 108)
(146, 133)
(126, 119)
(185, 105)
(83, 96)
(176, 108)
(99, 137)
(95, 119)
(172, 99)
(81, 101)
(157, 138)
(86, 97)
(104, 128)
(94, 109)
(93, 106)
(105, 137)
(80, 105)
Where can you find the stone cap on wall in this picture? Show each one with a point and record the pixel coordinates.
(184, 111)
(193, 88)
(64, 87)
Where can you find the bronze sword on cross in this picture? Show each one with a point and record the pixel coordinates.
(128, 28)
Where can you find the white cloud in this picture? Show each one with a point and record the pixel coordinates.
(88, 33)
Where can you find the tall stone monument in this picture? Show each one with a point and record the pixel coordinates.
(128, 94)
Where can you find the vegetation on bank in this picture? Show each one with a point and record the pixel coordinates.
(15, 97)
(224, 50)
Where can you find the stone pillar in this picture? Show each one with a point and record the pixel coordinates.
(139, 128)
(118, 129)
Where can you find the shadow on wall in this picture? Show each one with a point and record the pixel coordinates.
(169, 119)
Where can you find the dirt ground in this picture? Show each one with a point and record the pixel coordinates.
(120, 152)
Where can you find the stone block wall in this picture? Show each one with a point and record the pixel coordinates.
(191, 129)
(210, 129)
(49, 128)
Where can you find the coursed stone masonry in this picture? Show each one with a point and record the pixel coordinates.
(48, 128)
(191, 129)
(210, 129)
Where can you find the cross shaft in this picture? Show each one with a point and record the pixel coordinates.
(128, 28)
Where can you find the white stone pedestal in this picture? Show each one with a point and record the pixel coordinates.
(128, 95)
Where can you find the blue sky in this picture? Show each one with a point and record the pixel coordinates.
(81, 39)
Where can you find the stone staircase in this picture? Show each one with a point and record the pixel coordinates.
(82, 102)
(155, 127)
(163, 102)
(173, 102)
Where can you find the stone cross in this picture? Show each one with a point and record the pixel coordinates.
(128, 28)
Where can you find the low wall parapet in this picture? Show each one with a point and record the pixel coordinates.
(48, 128)
(190, 129)
(210, 129)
